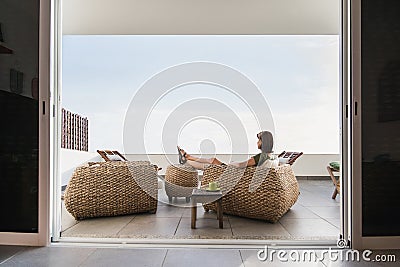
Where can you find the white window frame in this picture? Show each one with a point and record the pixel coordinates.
(42, 238)
(56, 221)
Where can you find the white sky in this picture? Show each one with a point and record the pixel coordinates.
(298, 75)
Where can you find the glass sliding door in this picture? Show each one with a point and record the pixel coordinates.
(345, 129)
(376, 109)
(24, 72)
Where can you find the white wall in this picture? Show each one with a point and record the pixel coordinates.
(306, 165)
(70, 159)
(201, 17)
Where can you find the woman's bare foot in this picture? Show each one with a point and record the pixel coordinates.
(187, 155)
(182, 155)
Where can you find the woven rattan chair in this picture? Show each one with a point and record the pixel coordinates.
(180, 181)
(112, 188)
(253, 192)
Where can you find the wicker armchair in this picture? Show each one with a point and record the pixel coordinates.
(112, 188)
(253, 192)
(180, 180)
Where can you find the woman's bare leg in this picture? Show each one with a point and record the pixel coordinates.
(204, 160)
(197, 165)
(197, 159)
(201, 160)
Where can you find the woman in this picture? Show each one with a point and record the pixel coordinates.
(265, 143)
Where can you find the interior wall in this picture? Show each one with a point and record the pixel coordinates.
(284, 17)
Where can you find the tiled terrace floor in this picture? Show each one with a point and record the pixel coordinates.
(90, 256)
(315, 216)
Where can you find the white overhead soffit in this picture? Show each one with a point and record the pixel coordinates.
(284, 17)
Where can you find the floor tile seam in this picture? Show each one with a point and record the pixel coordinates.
(165, 257)
(118, 233)
(23, 250)
(322, 206)
(313, 190)
(241, 257)
(320, 190)
(313, 211)
(307, 206)
(176, 229)
(76, 222)
(287, 231)
(69, 228)
(323, 264)
(313, 199)
(9, 258)
(311, 206)
(291, 219)
(230, 226)
(87, 257)
(332, 224)
(324, 218)
(302, 190)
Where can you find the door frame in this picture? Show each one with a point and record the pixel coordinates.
(55, 127)
(358, 240)
(345, 148)
(42, 237)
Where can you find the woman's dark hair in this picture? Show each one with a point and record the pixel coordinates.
(267, 141)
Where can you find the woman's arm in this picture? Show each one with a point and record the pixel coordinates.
(244, 164)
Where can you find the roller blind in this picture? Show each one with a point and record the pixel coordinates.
(285, 17)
